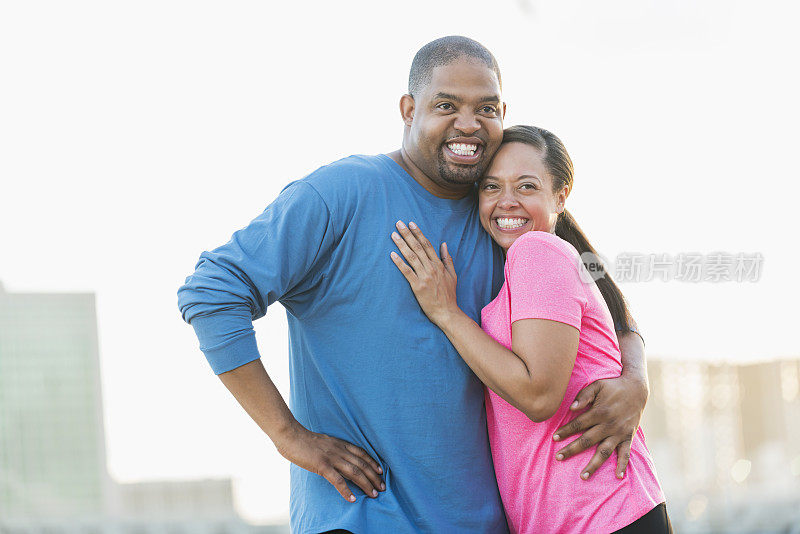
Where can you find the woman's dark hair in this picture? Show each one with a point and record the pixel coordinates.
(559, 166)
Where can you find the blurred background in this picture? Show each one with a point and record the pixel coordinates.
(135, 135)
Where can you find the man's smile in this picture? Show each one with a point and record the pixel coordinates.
(464, 150)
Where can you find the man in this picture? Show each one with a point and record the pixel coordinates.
(379, 396)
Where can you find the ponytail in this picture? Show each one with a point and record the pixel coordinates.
(568, 230)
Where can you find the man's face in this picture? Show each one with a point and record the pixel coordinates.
(457, 123)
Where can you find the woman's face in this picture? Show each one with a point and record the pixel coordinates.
(516, 195)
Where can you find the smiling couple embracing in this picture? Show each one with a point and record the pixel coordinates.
(434, 388)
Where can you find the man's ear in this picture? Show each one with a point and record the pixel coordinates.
(407, 109)
(503, 115)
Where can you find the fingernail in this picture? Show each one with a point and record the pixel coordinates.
(574, 404)
(619, 475)
(400, 224)
(380, 469)
(374, 493)
(395, 235)
(556, 437)
(559, 456)
(352, 498)
(383, 486)
(412, 225)
(585, 476)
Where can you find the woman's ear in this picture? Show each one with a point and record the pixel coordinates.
(561, 198)
(407, 107)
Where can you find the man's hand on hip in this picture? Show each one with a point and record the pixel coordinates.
(334, 459)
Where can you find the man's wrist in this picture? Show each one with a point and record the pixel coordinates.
(634, 366)
(637, 378)
(285, 434)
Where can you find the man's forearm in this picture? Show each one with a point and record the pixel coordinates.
(252, 387)
(327, 456)
(634, 364)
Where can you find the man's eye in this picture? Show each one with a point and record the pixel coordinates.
(489, 109)
(445, 106)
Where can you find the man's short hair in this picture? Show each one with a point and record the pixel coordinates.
(444, 51)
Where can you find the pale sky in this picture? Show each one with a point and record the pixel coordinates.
(135, 135)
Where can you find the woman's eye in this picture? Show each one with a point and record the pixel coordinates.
(528, 186)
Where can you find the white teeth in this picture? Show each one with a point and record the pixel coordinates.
(509, 223)
(463, 149)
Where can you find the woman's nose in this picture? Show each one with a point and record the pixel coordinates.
(507, 201)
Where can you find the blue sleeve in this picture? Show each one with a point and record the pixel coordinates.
(280, 250)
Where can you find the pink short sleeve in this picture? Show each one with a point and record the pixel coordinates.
(544, 281)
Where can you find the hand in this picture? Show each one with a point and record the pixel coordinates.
(432, 280)
(334, 459)
(614, 415)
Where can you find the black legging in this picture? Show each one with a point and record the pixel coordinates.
(656, 521)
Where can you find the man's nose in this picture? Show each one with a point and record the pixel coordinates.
(467, 123)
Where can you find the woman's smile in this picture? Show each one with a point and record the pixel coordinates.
(510, 224)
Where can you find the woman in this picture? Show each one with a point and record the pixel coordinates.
(548, 334)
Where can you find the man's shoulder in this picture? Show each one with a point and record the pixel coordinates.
(347, 183)
(343, 174)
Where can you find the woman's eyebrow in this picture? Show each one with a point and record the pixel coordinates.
(518, 178)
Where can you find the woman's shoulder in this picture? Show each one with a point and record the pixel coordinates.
(537, 242)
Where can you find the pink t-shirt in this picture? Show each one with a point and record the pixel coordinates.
(539, 493)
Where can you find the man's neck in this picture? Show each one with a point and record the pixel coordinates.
(442, 191)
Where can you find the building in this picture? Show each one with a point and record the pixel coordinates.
(53, 474)
(52, 445)
(725, 440)
(175, 499)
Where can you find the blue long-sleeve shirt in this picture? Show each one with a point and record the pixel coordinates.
(366, 365)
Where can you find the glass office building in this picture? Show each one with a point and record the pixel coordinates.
(52, 450)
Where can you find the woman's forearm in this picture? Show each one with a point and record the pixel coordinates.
(498, 368)
(548, 346)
